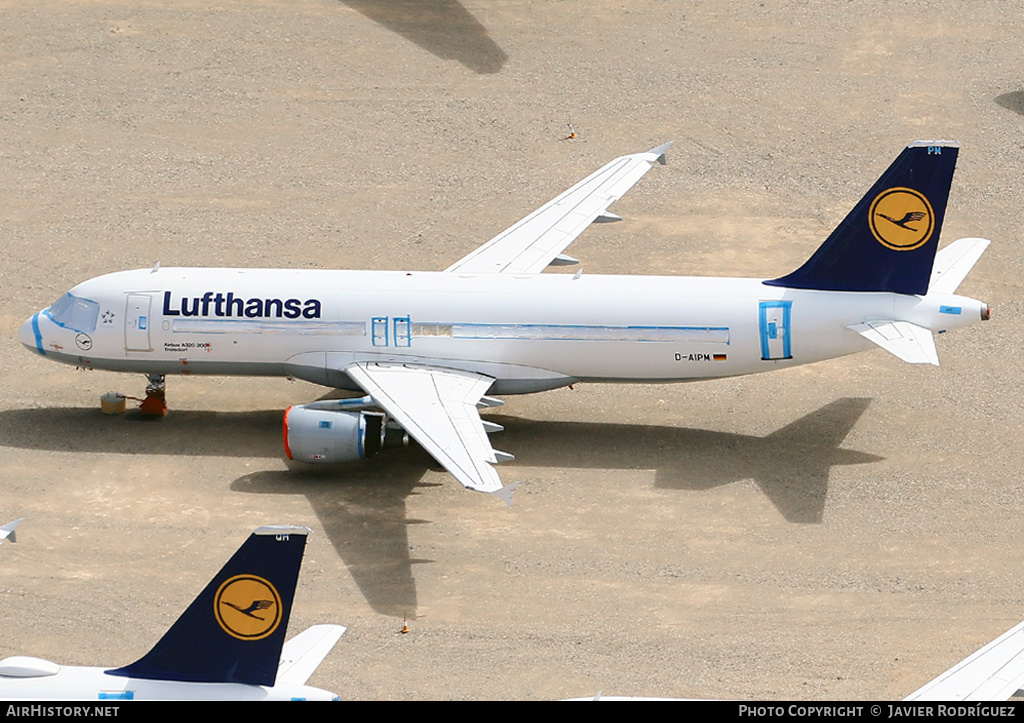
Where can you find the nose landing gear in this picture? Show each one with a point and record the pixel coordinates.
(155, 403)
(153, 406)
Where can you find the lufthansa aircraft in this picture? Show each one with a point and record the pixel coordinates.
(228, 645)
(426, 348)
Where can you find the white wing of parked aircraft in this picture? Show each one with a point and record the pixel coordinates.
(530, 245)
(438, 407)
(7, 531)
(996, 672)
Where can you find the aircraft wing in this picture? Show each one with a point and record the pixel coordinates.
(438, 408)
(910, 342)
(534, 242)
(302, 655)
(7, 531)
(996, 672)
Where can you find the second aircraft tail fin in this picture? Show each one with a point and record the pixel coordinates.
(888, 241)
(234, 630)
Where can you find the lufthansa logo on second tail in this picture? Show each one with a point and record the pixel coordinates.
(247, 607)
(901, 219)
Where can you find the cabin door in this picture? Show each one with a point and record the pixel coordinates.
(775, 326)
(137, 321)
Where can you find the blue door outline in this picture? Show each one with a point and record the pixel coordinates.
(774, 324)
(380, 331)
(399, 333)
(402, 329)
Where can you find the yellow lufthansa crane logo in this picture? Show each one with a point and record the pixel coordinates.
(247, 607)
(901, 219)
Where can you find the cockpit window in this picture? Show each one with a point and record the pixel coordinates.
(74, 313)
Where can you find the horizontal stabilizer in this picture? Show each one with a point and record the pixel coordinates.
(302, 655)
(953, 263)
(996, 672)
(911, 343)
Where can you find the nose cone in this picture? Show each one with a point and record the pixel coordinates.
(29, 335)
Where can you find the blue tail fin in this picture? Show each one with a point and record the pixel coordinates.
(888, 241)
(234, 630)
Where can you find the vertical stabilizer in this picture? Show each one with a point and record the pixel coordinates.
(888, 241)
(234, 630)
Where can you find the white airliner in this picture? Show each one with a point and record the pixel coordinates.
(228, 645)
(425, 348)
(995, 672)
(7, 532)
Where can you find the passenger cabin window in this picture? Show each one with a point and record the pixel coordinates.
(74, 313)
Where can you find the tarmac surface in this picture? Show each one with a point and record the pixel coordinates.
(845, 530)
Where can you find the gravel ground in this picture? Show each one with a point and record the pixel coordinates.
(840, 531)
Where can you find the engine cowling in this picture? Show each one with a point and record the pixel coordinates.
(328, 437)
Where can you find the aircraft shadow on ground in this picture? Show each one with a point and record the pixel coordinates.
(362, 506)
(366, 520)
(441, 27)
(1012, 101)
(791, 465)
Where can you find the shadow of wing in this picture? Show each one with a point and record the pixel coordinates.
(441, 27)
(364, 516)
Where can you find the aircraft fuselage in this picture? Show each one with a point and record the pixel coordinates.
(530, 333)
(65, 682)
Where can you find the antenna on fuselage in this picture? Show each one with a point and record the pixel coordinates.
(156, 267)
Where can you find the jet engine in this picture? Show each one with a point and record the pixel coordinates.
(328, 437)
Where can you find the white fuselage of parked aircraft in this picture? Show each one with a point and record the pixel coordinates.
(530, 333)
(37, 679)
